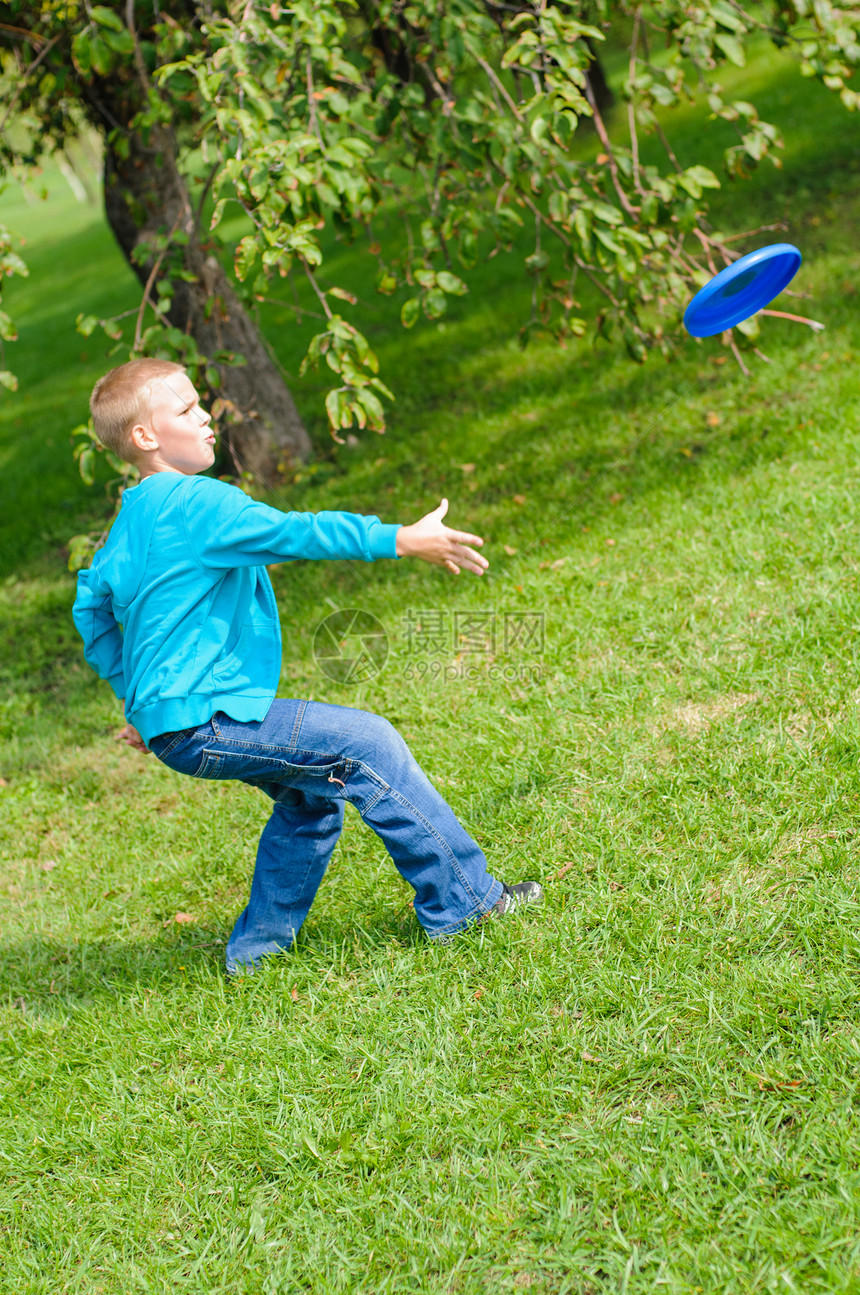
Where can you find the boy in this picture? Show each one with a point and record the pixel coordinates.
(177, 613)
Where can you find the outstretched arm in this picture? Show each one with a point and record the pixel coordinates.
(435, 542)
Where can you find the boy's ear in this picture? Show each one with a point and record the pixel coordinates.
(143, 438)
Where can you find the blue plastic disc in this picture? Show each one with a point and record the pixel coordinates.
(742, 289)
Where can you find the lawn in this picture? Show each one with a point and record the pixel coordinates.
(652, 708)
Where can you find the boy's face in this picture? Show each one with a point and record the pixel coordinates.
(180, 438)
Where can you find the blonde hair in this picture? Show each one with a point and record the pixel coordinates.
(121, 399)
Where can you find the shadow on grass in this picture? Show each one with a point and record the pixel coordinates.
(45, 978)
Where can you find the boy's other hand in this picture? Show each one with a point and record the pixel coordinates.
(132, 738)
(431, 540)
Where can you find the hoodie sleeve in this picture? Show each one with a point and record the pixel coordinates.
(225, 528)
(93, 616)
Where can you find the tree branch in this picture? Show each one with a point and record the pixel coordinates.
(498, 83)
(604, 139)
(43, 53)
(814, 324)
(631, 109)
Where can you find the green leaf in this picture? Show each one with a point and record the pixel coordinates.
(695, 179)
(8, 380)
(703, 176)
(87, 465)
(429, 236)
(435, 303)
(119, 41)
(11, 263)
(375, 412)
(106, 18)
(82, 549)
(334, 406)
(536, 262)
(101, 57)
(246, 254)
(582, 225)
(7, 328)
(380, 386)
(606, 212)
(410, 311)
(603, 236)
(749, 327)
(451, 283)
(728, 17)
(82, 54)
(663, 94)
(86, 324)
(732, 48)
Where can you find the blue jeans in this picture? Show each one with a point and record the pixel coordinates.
(311, 758)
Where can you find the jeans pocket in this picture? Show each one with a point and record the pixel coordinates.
(211, 766)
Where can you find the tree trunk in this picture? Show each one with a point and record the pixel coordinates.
(600, 87)
(146, 195)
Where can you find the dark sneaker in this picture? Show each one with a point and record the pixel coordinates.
(513, 897)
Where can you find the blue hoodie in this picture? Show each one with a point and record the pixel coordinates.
(177, 611)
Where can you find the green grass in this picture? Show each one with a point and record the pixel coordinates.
(652, 1085)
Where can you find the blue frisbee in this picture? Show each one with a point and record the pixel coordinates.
(742, 289)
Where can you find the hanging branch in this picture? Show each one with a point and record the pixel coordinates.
(814, 324)
(631, 108)
(607, 148)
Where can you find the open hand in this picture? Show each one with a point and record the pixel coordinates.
(132, 738)
(431, 540)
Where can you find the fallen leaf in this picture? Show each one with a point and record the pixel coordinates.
(467, 467)
(49, 865)
(3, 782)
(530, 416)
(184, 917)
(765, 1081)
(602, 159)
(712, 418)
(479, 993)
(616, 498)
(587, 1056)
(718, 359)
(510, 552)
(519, 499)
(294, 994)
(562, 872)
(558, 564)
(610, 544)
(686, 451)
